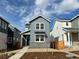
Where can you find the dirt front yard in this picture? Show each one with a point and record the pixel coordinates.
(46, 55)
(3, 56)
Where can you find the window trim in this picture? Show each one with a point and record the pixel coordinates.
(40, 26)
(35, 26)
(40, 38)
(44, 26)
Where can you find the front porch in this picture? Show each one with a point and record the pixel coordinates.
(72, 36)
(25, 39)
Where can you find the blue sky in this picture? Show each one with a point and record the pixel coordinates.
(18, 12)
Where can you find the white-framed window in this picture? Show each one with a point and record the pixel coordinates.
(42, 26)
(39, 26)
(40, 38)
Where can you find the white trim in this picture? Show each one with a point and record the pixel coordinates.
(40, 26)
(39, 38)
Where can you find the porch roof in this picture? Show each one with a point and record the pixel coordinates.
(71, 29)
(26, 33)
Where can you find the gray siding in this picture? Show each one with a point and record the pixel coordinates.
(32, 35)
(3, 41)
(75, 23)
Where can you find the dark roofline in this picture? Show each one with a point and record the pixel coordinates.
(66, 20)
(75, 17)
(13, 28)
(72, 19)
(37, 18)
(17, 29)
(4, 19)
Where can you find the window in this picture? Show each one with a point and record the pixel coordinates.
(40, 38)
(42, 26)
(66, 23)
(37, 37)
(2, 24)
(6, 25)
(37, 26)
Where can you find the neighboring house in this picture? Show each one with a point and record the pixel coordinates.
(67, 31)
(37, 32)
(13, 37)
(3, 33)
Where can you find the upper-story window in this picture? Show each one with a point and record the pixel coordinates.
(66, 23)
(6, 25)
(40, 26)
(3, 23)
(37, 26)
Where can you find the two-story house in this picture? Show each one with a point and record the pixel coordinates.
(66, 31)
(3, 33)
(9, 35)
(38, 32)
(13, 37)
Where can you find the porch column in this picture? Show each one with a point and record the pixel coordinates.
(69, 38)
(21, 40)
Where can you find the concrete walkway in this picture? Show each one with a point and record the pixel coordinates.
(19, 54)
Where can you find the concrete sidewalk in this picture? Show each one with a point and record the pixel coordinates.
(19, 54)
(27, 49)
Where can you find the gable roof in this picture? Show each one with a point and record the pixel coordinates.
(39, 17)
(67, 20)
(74, 17)
(13, 28)
(4, 19)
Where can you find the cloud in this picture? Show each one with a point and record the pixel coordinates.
(49, 7)
(25, 9)
(41, 3)
(11, 9)
(68, 5)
